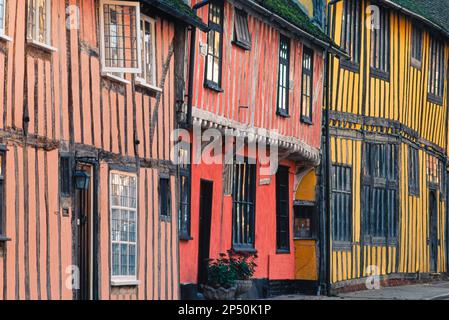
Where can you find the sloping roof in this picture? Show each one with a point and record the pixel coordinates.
(180, 10)
(435, 11)
(291, 11)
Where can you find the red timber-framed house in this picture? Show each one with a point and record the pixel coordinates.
(87, 186)
(258, 74)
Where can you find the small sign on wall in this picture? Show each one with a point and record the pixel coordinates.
(265, 181)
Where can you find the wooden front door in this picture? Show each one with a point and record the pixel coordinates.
(85, 244)
(205, 217)
(433, 239)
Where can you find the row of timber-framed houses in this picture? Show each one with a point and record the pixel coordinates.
(101, 199)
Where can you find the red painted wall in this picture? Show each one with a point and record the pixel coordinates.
(270, 264)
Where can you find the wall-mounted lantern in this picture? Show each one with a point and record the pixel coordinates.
(82, 180)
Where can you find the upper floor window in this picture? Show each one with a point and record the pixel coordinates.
(148, 54)
(123, 204)
(307, 86)
(214, 45)
(283, 76)
(380, 45)
(120, 36)
(351, 32)
(2, 190)
(416, 47)
(242, 37)
(39, 22)
(436, 71)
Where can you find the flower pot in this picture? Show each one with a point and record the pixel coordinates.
(218, 293)
(243, 286)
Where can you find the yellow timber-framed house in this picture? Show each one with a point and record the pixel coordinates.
(384, 180)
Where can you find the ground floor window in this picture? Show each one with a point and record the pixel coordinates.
(123, 203)
(304, 221)
(380, 192)
(243, 196)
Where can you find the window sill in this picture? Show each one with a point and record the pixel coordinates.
(283, 251)
(435, 99)
(349, 65)
(240, 249)
(143, 84)
(341, 246)
(379, 74)
(282, 114)
(165, 218)
(306, 120)
(40, 45)
(242, 45)
(4, 37)
(115, 78)
(416, 64)
(185, 237)
(213, 86)
(4, 239)
(124, 283)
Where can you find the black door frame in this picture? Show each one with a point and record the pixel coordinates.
(205, 224)
(433, 231)
(92, 292)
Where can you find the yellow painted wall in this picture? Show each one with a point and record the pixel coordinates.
(403, 102)
(306, 190)
(306, 260)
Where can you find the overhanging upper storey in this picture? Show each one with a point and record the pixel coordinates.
(180, 10)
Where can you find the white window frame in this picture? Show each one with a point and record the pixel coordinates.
(117, 280)
(34, 37)
(139, 79)
(110, 71)
(3, 14)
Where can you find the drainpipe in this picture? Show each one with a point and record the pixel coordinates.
(192, 63)
(326, 263)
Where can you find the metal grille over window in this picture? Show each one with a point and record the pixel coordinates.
(120, 34)
(380, 193)
(436, 71)
(2, 16)
(351, 29)
(341, 205)
(148, 54)
(380, 45)
(123, 225)
(214, 44)
(284, 75)
(39, 21)
(307, 86)
(242, 37)
(243, 205)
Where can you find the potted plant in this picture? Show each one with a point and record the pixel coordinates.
(244, 265)
(221, 277)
